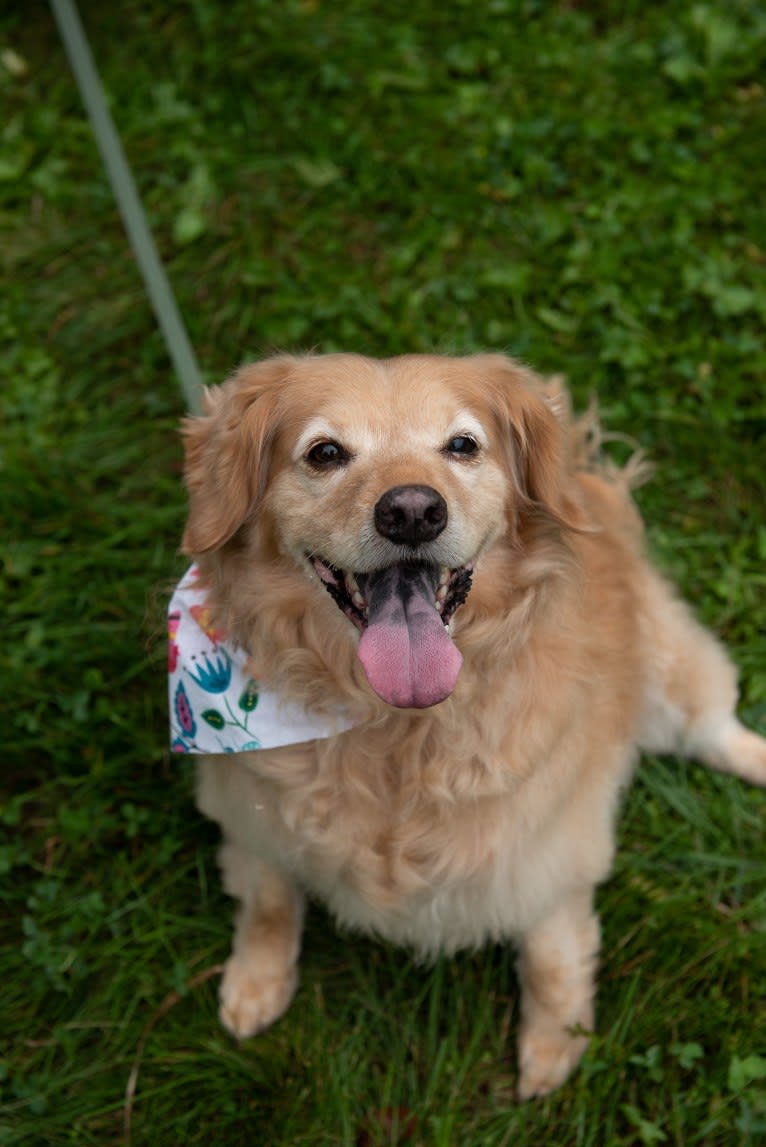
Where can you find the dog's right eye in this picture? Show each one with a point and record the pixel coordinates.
(324, 454)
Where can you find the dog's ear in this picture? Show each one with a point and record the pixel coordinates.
(228, 451)
(537, 415)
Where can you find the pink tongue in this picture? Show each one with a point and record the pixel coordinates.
(407, 654)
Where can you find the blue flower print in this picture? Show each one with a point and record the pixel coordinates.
(215, 675)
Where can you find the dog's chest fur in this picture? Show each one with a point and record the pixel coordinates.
(423, 845)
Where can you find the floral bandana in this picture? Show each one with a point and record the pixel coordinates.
(216, 705)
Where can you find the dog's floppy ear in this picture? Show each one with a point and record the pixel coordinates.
(536, 417)
(227, 453)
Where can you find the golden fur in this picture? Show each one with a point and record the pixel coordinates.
(489, 815)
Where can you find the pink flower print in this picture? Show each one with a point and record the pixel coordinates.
(184, 711)
(174, 621)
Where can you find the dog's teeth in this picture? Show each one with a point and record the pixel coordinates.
(441, 593)
(354, 592)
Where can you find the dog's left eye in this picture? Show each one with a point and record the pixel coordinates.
(462, 446)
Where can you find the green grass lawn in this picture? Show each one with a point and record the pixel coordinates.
(579, 183)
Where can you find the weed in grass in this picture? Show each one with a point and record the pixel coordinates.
(575, 184)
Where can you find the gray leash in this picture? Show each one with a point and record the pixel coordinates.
(124, 190)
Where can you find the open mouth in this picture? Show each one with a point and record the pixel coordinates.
(345, 588)
(403, 612)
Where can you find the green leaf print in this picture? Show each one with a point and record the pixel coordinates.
(249, 698)
(214, 718)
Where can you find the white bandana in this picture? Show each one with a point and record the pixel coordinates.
(216, 705)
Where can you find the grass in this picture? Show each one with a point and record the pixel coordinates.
(578, 183)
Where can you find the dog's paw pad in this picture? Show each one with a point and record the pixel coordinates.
(546, 1060)
(249, 1003)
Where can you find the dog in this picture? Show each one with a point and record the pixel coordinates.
(427, 556)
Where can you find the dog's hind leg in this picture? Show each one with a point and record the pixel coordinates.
(261, 974)
(691, 693)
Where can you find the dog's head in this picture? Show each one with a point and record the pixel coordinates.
(386, 481)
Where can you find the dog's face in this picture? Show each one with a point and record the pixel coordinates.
(386, 481)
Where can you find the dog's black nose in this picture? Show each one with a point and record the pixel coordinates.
(409, 515)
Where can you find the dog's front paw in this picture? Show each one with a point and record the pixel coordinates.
(545, 1060)
(250, 1003)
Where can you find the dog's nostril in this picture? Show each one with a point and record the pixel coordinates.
(410, 515)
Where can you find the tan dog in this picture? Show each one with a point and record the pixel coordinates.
(496, 636)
